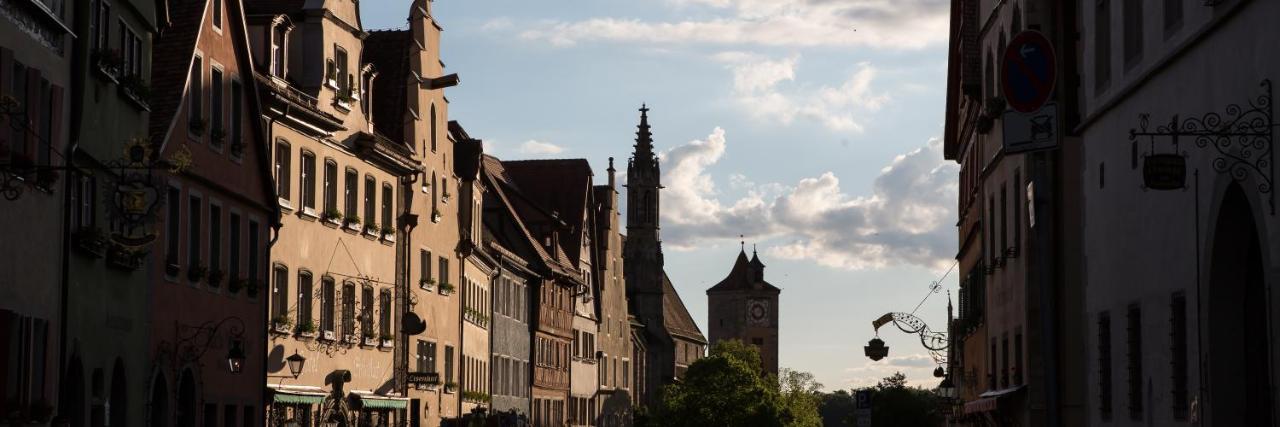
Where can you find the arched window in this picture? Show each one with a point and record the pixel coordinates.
(433, 127)
(186, 399)
(159, 401)
(119, 398)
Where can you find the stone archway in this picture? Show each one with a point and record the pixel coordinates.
(159, 416)
(187, 411)
(71, 397)
(1238, 349)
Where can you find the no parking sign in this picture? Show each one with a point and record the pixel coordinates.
(1028, 71)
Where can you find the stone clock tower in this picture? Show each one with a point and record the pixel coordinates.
(744, 307)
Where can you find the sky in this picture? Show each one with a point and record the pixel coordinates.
(811, 127)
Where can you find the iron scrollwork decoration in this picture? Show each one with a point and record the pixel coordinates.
(19, 169)
(192, 342)
(133, 204)
(935, 342)
(1242, 138)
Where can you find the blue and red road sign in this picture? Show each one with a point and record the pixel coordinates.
(1028, 71)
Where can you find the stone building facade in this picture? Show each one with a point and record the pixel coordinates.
(671, 339)
(616, 395)
(744, 307)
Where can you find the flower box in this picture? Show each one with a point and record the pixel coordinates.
(251, 288)
(136, 91)
(106, 64)
(450, 387)
(234, 285)
(91, 241)
(196, 272)
(281, 324)
(307, 328)
(215, 278)
(427, 284)
(124, 258)
(446, 288)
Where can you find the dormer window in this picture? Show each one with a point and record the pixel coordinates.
(341, 74)
(279, 39)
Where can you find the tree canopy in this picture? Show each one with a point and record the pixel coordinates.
(893, 403)
(728, 388)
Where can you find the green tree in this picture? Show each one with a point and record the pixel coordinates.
(893, 403)
(723, 389)
(800, 398)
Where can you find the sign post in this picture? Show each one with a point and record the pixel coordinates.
(1027, 78)
(862, 408)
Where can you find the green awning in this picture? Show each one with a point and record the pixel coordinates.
(298, 399)
(376, 403)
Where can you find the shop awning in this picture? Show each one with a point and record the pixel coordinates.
(990, 400)
(295, 398)
(371, 401)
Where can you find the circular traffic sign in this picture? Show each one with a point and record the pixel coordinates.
(1028, 71)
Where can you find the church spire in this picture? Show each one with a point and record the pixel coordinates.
(644, 138)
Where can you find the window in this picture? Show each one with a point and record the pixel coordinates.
(24, 351)
(992, 251)
(1017, 358)
(195, 88)
(433, 136)
(1004, 355)
(1104, 365)
(326, 304)
(626, 373)
(352, 191)
(1134, 345)
(444, 270)
(229, 416)
(237, 143)
(340, 64)
(370, 200)
(992, 374)
(218, 131)
(1102, 45)
(366, 312)
(217, 14)
(193, 230)
(1172, 16)
(308, 182)
(1178, 353)
(253, 250)
(215, 240)
(424, 261)
(426, 356)
(435, 192)
(234, 234)
(384, 308)
(130, 52)
(1004, 218)
(304, 301)
(386, 206)
(1017, 207)
(448, 363)
(102, 22)
(282, 169)
(349, 310)
(330, 186)
(1132, 32)
(278, 50)
(83, 202)
(280, 293)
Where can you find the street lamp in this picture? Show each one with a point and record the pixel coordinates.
(235, 357)
(947, 389)
(295, 364)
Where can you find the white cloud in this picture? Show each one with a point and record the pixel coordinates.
(758, 88)
(907, 218)
(540, 148)
(497, 24)
(893, 24)
(917, 367)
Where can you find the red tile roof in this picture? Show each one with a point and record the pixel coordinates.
(562, 187)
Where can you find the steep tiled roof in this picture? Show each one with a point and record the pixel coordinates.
(274, 7)
(389, 51)
(561, 186)
(675, 315)
(171, 64)
(520, 209)
(743, 276)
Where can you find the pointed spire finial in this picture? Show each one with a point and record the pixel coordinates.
(742, 240)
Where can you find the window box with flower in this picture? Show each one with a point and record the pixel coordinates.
(427, 284)
(371, 228)
(281, 323)
(215, 277)
(332, 216)
(251, 288)
(217, 136)
(124, 258)
(235, 285)
(172, 268)
(353, 222)
(388, 340)
(92, 241)
(196, 272)
(388, 232)
(450, 387)
(133, 88)
(106, 64)
(370, 339)
(306, 328)
(198, 126)
(446, 288)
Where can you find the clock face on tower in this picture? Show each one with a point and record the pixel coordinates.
(758, 312)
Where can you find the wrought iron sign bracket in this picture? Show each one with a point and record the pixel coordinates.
(1242, 139)
(935, 342)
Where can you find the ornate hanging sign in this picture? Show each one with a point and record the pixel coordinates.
(1241, 140)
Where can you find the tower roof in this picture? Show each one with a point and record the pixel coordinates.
(743, 276)
(644, 138)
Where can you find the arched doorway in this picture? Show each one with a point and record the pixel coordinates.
(186, 399)
(119, 399)
(71, 398)
(159, 401)
(1238, 345)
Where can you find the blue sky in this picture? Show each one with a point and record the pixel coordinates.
(809, 126)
